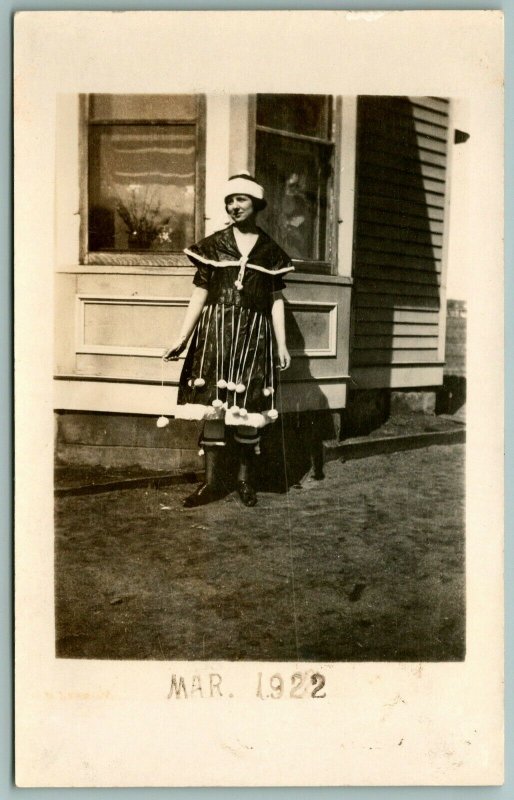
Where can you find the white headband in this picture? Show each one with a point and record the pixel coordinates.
(241, 185)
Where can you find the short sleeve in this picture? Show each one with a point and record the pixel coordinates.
(282, 260)
(278, 284)
(203, 271)
(203, 275)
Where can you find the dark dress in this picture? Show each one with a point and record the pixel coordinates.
(229, 370)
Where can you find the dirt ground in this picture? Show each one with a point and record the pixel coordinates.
(367, 564)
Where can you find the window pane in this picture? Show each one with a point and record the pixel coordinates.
(141, 187)
(143, 106)
(297, 113)
(296, 177)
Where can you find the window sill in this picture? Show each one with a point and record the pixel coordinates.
(137, 259)
(299, 276)
(313, 267)
(125, 269)
(154, 259)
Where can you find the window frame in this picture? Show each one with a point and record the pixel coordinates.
(328, 266)
(130, 258)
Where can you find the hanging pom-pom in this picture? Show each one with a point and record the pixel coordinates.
(199, 382)
(257, 449)
(231, 386)
(162, 422)
(201, 451)
(235, 409)
(190, 382)
(217, 403)
(240, 388)
(243, 412)
(266, 391)
(273, 413)
(222, 384)
(238, 284)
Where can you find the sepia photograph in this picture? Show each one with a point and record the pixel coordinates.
(260, 406)
(259, 393)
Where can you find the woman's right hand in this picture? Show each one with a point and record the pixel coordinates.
(175, 350)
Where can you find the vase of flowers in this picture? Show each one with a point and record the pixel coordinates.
(140, 240)
(141, 213)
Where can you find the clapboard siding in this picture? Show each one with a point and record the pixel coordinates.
(375, 328)
(393, 302)
(400, 164)
(439, 104)
(373, 272)
(376, 356)
(390, 203)
(398, 342)
(376, 217)
(396, 288)
(383, 314)
(397, 260)
(404, 234)
(417, 197)
(391, 178)
(426, 145)
(428, 135)
(393, 150)
(399, 243)
(425, 116)
(425, 250)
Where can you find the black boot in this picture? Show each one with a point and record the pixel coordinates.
(212, 489)
(245, 476)
(246, 493)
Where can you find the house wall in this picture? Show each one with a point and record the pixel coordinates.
(400, 242)
(377, 316)
(113, 321)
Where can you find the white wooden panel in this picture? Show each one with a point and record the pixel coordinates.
(128, 367)
(139, 398)
(67, 200)
(242, 134)
(64, 322)
(127, 326)
(311, 328)
(347, 186)
(119, 397)
(216, 159)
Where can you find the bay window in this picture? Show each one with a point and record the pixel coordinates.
(145, 177)
(295, 160)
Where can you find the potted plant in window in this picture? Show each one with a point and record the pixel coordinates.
(140, 210)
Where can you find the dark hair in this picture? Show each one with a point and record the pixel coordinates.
(244, 175)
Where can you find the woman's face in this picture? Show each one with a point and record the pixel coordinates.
(240, 207)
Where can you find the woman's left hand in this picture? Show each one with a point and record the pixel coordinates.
(284, 359)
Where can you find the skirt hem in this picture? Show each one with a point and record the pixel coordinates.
(200, 412)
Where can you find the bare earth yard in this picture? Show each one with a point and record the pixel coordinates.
(365, 565)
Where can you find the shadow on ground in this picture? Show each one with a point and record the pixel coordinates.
(367, 565)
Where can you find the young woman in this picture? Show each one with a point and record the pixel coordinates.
(236, 316)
